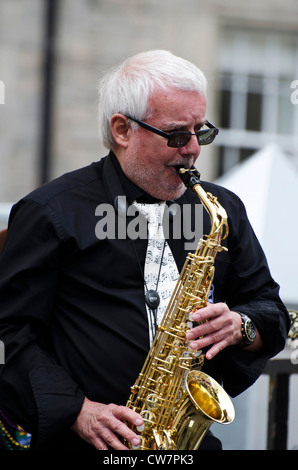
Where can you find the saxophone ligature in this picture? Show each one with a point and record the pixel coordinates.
(177, 401)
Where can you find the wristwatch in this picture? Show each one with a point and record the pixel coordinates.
(248, 330)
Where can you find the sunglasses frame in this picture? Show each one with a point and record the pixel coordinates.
(198, 134)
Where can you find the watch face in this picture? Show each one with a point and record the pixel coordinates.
(250, 330)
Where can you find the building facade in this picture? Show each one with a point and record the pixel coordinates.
(249, 54)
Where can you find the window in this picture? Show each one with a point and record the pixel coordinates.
(256, 72)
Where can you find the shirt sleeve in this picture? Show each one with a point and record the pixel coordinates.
(37, 392)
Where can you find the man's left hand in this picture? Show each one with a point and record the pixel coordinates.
(221, 328)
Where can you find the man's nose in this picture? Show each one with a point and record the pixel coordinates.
(192, 147)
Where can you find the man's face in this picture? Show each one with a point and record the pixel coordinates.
(148, 161)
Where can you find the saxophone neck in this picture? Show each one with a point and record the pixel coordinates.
(218, 216)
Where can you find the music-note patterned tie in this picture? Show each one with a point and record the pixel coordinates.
(160, 273)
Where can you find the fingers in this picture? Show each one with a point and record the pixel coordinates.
(121, 416)
(220, 328)
(109, 427)
(103, 426)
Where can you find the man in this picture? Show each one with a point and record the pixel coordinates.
(73, 315)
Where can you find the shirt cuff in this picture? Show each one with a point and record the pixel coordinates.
(58, 400)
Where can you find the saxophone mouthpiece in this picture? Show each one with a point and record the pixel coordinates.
(181, 168)
(190, 176)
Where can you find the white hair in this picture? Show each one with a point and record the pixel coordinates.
(127, 88)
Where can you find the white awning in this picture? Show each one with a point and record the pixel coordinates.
(267, 183)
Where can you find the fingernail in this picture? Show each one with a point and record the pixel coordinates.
(189, 335)
(135, 442)
(139, 424)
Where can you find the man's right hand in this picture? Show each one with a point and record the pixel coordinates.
(99, 425)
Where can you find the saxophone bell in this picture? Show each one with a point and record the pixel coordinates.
(205, 402)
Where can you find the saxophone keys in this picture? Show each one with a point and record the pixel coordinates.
(170, 361)
(178, 346)
(197, 353)
(153, 402)
(149, 419)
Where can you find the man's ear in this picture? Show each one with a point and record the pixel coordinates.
(121, 129)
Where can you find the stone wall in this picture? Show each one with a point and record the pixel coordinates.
(93, 35)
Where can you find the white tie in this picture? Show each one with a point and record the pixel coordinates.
(161, 273)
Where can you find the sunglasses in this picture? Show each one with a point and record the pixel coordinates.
(181, 138)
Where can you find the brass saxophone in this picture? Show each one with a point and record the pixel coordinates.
(177, 401)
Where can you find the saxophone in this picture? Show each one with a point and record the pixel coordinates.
(178, 402)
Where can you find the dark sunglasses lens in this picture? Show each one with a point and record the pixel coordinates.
(178, 139)
(207, 136)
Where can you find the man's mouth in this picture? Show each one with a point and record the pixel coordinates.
(177, 165)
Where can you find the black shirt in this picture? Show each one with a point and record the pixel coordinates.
(72, 310)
